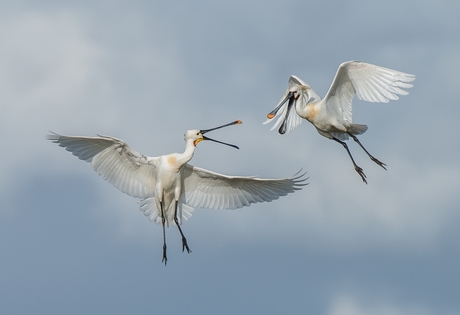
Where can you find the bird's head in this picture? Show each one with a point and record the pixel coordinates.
(197, 135)
(296, 88)
(297, 95)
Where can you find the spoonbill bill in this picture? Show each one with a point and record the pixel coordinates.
(332, 116)
(169, 187)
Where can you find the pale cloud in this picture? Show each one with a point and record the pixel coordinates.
(146, 71)
(347, 304)
(47, 62)
(46, 59)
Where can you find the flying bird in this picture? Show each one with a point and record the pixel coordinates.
(169, 187)
(332, 116)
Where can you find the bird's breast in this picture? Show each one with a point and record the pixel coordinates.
(311, 113)
(172, 161)
(171, 164)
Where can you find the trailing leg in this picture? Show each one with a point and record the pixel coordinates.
(370, 156)
(163, 218)
(357, 168)
(184, 240)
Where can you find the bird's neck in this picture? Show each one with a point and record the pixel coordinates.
(308, 110)
(188, 153)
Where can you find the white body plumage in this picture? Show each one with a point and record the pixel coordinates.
(169, 187)
(332, 115)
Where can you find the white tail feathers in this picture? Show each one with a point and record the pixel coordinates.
(357, 129)
(149, 208)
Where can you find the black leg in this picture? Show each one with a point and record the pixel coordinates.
(184, 240)
(163, 218)
(357, 168)
(371, 157)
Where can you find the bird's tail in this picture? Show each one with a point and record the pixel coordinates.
(148, 206)
(357, 129)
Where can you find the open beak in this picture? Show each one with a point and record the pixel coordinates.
(282, 129)
(236, 122)
(272, 114)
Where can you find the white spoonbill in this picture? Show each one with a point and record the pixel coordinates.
(168, 187)
(332, 115)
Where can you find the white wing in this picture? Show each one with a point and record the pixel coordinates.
(293, 120)
(123, 167)
(369, 82)
(206, 189)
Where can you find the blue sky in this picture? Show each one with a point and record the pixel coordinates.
(146, 71)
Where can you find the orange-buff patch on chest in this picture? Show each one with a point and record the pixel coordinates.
(172, 161)
(312, 112)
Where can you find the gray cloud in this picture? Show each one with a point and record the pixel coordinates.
(147, 71)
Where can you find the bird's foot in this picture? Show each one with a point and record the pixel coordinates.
(379, 163)
(165, 259)
(361, 173)
(185, 246)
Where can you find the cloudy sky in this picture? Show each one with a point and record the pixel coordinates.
(146, 71)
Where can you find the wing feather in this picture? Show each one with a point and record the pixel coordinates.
(206, 189)
(126, 169)
(368, 82)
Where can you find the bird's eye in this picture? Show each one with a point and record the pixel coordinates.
(197, 133)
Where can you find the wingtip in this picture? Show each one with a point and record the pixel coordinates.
(300, 179)
(52, 136)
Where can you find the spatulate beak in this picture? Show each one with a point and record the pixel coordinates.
(272, 114)
(236, 122)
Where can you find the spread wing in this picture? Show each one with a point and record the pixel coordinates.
(206, 189)
(126, 169)
(369, 82)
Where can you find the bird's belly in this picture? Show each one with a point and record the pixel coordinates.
(168, 190)
(326, 127)
(167, 182)
(329, 124)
